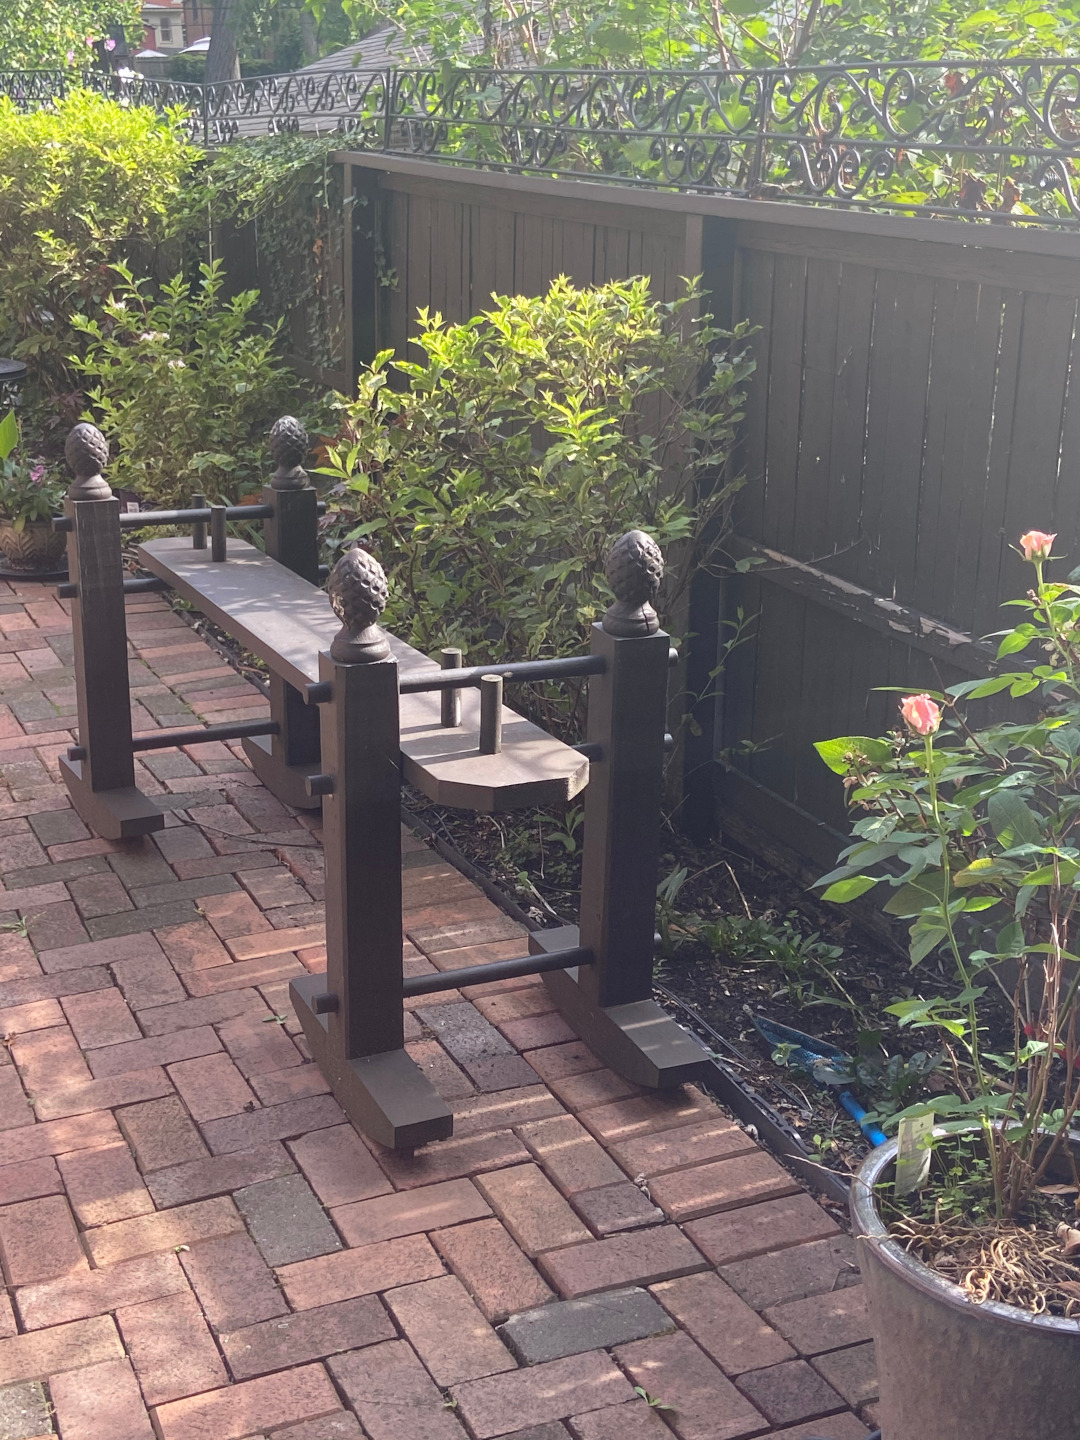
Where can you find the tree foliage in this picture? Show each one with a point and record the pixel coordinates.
(56, 34)
(694, 33)
(83, 185)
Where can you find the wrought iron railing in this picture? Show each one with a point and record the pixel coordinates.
(984, 139)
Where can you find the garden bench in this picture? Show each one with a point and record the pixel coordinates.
(286, 621)
(354, 711)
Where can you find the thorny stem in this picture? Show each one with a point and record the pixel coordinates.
(973, 1044)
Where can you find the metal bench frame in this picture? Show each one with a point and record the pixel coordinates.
(340, 741)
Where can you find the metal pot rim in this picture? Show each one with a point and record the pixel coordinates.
(869, 1227)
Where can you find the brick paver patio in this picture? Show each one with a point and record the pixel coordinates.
(195, 1244)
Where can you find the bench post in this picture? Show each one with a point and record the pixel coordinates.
(610, 1001)
(285, 761)
(102, 783)
(353, 1018)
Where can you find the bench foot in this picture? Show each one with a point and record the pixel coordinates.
(118, 814)
(639, 1040)
(386, 1096)
(287, 782)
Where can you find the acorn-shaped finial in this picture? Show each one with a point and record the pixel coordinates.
(358, 590)
(288, 450)
(634, 570)
(87, 454)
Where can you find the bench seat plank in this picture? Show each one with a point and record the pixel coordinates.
(286, 622)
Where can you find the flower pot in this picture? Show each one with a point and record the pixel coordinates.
(37, 546)
(951, 1369)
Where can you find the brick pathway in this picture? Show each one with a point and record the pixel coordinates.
(197, 1247)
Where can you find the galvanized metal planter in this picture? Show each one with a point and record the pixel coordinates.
(951, 1369)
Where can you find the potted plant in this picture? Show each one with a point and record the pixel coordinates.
(30, 495)
(967, 1229)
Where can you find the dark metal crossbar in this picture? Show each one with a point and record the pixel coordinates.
(133, 585)
(565, 668)
(497, 970)
(195, 735)
(972, 138)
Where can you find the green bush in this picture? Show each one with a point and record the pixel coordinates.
(184, 387)
(492, 485)
(83, 186)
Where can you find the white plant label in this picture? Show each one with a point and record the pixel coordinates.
(913, 1154)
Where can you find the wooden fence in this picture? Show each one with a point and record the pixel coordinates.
(914, 408)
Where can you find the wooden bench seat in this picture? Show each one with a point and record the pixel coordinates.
(286, 622)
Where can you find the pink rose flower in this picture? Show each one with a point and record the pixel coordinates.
(920, 714)
(1037, 544)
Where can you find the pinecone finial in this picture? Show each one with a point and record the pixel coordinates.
(634, 570)
(288, 449)
(358, 592)
(87, 454)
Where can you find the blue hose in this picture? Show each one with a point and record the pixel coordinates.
(857, 1113)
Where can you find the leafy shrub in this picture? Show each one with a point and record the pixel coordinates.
(184, 386)
(83, 186)
(525, 441)
(39, 34)
(28, 490)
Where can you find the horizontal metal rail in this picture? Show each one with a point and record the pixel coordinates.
(196, 735)
(497, 970)
(134, 585)
(566, 668)
(144, 519)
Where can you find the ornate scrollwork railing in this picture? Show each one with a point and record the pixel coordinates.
(979, 138)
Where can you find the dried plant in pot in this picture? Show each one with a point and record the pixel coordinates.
(30, 495)
(969, 1239)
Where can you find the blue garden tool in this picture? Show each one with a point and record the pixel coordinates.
(824, 1063)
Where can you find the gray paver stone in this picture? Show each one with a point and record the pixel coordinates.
(464, 1031)
(286, 1220)
(24, 1411)
(570, 1327)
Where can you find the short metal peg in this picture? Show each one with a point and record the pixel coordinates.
(324, 1004)
(320, 785)
(217, 532)
(319, 692)
(450, 659)
(491, 701)
(198, 527)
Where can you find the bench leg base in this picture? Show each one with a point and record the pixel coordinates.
(117, 814)
(639, 1040)
(287, 782)
(386, 1096)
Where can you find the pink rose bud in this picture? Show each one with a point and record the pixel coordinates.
(920, 714)
(1036, 544)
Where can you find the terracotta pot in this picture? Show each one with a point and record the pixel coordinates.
(37, 546)
(948, 1368)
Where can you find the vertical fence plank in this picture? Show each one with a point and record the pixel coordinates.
(989, 537)
(814, 459)
(785, 400)
(842, 497)
(964, 360)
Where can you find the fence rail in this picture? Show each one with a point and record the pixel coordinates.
(990, 140)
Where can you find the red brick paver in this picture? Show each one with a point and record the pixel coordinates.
(163, 1133)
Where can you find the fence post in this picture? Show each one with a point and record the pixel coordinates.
(610, 1001)
(354, 1020)
(102, 784)
(285, 760)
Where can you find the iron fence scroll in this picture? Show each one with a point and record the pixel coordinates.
(986, 139)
